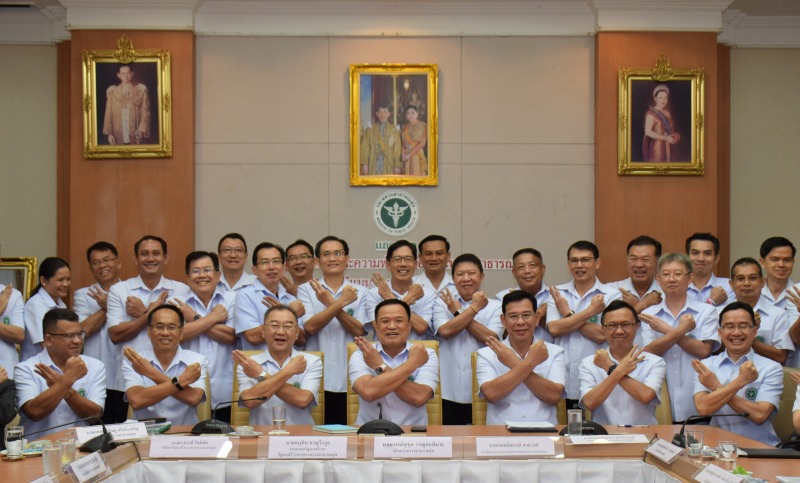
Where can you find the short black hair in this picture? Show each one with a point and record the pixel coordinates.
(738, 306)
(153, 238)
(267, 245)
(747, 261)
(400, 243)
(197, 255)
(617, 305)
(518, 296)
(332, 238)
(774, 242)
(165, 307)
(530, 251)
(433, 238)
(387, 302)
(301, 243)
(232, 236)
(586, 246)
(703, 237)
(645, 241)
(466, 258)
(101, 246)
(52, 317)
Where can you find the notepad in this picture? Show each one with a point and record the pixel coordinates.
(334, 428)
(530, 427)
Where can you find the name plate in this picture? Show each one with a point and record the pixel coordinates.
(715, 474)
(121, 432)
(89, 467)
(410, 447)
(308, 447)
(664, 450)
(609, 438)
(190, 446)
(48, 478)
(520, 446)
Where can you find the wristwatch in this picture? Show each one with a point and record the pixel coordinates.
(611, 369)
(177, 383)
(262, 377)
(381, 369)
(455, 314)
(196, 317)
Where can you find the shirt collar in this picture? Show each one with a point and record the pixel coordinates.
(175, 360)
(214, 297)
(386, 356)
(261, 288)
(747, 357)
(139, 283)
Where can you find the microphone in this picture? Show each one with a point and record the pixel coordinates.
(680, 440)
(380, 425)
(102, 442)
(16, 438)
(214, 425)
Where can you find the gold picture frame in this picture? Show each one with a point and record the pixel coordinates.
(20, 273)
(127, 102)
(661, 121)
(387, 146)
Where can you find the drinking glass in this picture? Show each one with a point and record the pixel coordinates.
(279, 417)
(69, 449)
(728, 452)
(51, 458)
(574, 422)
(14, 441)
(694, 443)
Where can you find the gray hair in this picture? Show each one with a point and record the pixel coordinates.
(675, 258)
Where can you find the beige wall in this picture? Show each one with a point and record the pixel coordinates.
(516, 143)
(765, 159)
(28, 151)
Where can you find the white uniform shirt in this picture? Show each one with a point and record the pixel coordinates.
(704, 293)
(245, 280)
(39, 304)
(332, 340)
(14, 315)
(679, 362)
(422, 307)
(792, 314)
(169, 407)
(774, 327)
(620, 407)
(395, 409)
(627, 284)
(308, 380)
(539, 333)
(92, 386)
(220, 364)
(250, 310)
(98, 345)
(456, 351)
(575, 345)
(767, 387)
(428, 288)
(521, 404)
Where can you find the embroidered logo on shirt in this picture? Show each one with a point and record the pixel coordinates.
(593, 319)
(350, 312)
(751, 393)
(760, 338)
(6, 321)
(82, 392)
(411, 378)
(296, 384)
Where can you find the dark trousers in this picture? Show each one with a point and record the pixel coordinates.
(116, 410)
(456, 414)
(335, 407)
(223, 414)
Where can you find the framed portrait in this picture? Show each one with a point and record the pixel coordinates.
(127, 103)
(20, 273)
(660, 121)
(393, 124)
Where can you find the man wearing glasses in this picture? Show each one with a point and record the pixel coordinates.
(165, 381)
(332, 321)
(621, 385)
(285, 376)
(267, 291)
(232, 251)
(300, 264)
(59, 385)
(90, 303)
(738, 380)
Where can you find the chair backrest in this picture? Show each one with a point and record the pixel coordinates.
(433, 406)
(478, 403)
(664, 408)
(782, 422)
(204, 408)
(240, 416)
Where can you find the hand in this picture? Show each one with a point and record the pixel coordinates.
(99, 295)
(415, 292)
(190, 375)
(597, 304)
(748, 372)
(383, 287)
(289, 284)
(652, 298)
(602, 359)
(686, 323)
(75, 368)
(298, 308)
(560, 302)
(188, 312)
(505, 354)
(348, 296)
(269, 302)
(537, 353)
(219, 314)
(296, 365)
(541, 316)
(139, 364)
(160, 300)
(250, 367)
(323, 294)
(795, 377)
(479, 301)
(450, 301)
(371, 356)
(655, 323)
(5, 295)
(112, 139)
(47, 373)
(630, 361)
(793, 294)
(628, 297)
(135, 307)
(417, 355)
(3, 375)
(705, 376)
(718, 295)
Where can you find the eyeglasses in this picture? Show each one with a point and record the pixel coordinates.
(205, 271)
(228, 251)
(526, 316)
(74, 335)
(403, 259)
(269, 261)
(615, 327)
(642, 260)
(297, 258)
(337, 254)
(574, 262)
(168, 328)
(277, 327)
(743, 327)
(668, 275)
(105, 261)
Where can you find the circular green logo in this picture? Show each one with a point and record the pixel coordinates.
(296, 384)
(82, 392)
(6, 321)
(751, 393)
(593, 319)
(351, 312)
(411, 378)
(760, 338)
(395, 213)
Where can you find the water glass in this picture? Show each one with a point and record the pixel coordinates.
(51, 458)
(694, 443)
(14, 440)
(728, 452)
(279, 417)
(574, 422)
(69, 448)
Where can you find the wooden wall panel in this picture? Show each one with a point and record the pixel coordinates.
(120, 200)
(669, 208)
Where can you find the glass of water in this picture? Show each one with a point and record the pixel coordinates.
(694, 443)
(279, 417)
(51, 458)
(574, 422)
(728, 452)
(69, 449)
(14, 441)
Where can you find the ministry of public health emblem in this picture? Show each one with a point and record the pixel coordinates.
(395, 213)
(751, 394)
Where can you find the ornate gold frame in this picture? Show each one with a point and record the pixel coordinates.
(28, 267)
(160, 102)
(396, 72)
(661, 73)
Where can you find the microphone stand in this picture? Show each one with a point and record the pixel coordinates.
(214, 425)
(680, 440)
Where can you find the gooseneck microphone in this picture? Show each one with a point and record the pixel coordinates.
(680, 440)
(15, 437)
(380, 426)
(214, 425)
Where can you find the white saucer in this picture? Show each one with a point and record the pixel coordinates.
(254, 434)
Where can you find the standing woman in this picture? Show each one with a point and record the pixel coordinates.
(659, 129)
(415, 135)
(54, 281)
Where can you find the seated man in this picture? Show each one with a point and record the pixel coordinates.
(521, 378)
(738, 380)
(621, 385)
(400, 376)
(59, 385)
(166, 381)
(285, 376)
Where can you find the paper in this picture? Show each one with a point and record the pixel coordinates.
(122, 432)
(411, 447)
(308, 447)
(664, 450)
(190, 446)
(515, 446)
(609, 438)
(89, 467)
(530, 425)
(715, 474)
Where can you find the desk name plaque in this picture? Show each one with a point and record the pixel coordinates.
(515, 446)
(121, 432)
(412, 447)
(308, 447)
(190, 446)
(609, 438)
(664, 450)
(48, 478)
(89, 468)
(715, 474)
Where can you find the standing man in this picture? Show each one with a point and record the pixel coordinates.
(165, 380)
(283, 375)
(679, 329)
(127, 117)
(621, 385)
(777, 258)
(394, 373)
(434, 254)
(12, 329)
(521, 378)
(232, 256)
(573, 312)
(300, 264)
(528, 270)
(738, 380)
(91, 305)
(208, 311)
(703, 251)
(380, 146)
(463, 321)
(640, 289)
(59, 385)
(333, 308)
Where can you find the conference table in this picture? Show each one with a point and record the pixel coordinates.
(247, 461)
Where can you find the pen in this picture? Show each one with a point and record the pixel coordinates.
(633, 426)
